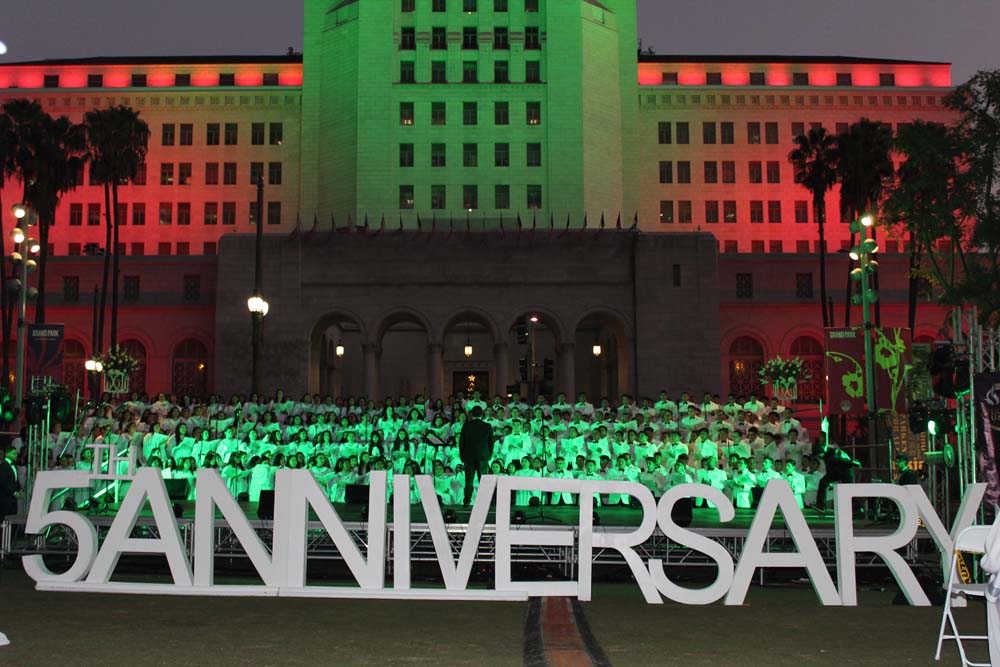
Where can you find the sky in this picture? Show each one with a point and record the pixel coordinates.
(963, 32)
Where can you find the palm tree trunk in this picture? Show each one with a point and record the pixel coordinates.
(911, 315)
(43, 262)
(819, 211)
(114, 269)
(4, 322)
(850, 288)
(107, 266)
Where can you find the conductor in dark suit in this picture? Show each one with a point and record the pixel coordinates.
(475, 444)
(9, 485)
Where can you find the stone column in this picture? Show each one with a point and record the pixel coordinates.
(566, 371)
(372, 354)
(435, 370)
(501, 365)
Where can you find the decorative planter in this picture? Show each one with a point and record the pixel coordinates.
(116, 382)
(786, 391)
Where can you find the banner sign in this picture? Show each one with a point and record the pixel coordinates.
(892, 354)
(986, 389)
(845, 369)
(44, 351)
(281, 565)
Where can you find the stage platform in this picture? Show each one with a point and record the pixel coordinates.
(562, 560)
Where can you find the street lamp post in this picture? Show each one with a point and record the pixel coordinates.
(864, 274)
(24, 249)
(256, 304)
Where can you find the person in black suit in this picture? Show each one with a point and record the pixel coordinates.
(906, 476)
(9, 486)
(475, 444)
(839, 468)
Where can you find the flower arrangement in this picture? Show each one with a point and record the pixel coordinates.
(118, 360)
(783, 373)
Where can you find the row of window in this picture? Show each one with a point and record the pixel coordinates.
(470, 197)
(229, 172)
(468, 6)
(724, 132)
(140, 80)
(680, 171)
(183, 134)
(682, 211)
(169, 213)
(131, 285)
(470, 113)
(885, 79)
(137, 248)
(470, 155)
(470, 72)
(471, 39)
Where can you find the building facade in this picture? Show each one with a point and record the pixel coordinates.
(518, 118)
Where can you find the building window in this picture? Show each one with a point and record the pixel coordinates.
(407, 72)
(666, 171)
(209, 248)
(276, 132)
(438, 155)
(138, 80)
(257, 134)
(713, 78)
(50, 81)
(182, 80)
(531, 38)
(470, 38)
(757, 247)
(803, 285)
(531, 5)
(408, 39)
(227, 79)
(229, 213)
(664, 133)
(270, 79)
(753, 133)
(408, 6)
(668, 78)
(501, 39)
(406, 155)
(211, 173)
(211, 213)
(798, 130)
(731, 246)
(438, 197)
(274, 173)
(770, 133)
(256, 172)
(729, 212)
(708, 133)
(166, 213)
(470, 197)
(439, 71)
(138, 214)
(95, 81)
(683, 172)
(212, 134)
(71, 289)
(757, 212)
(712, 172)
(800, 78)
(758, 79)
(231, 134)
(167, 134)
(186, 134)
(405, 196)
(773, 172)
(774, 212)
(501, 113)
(183, 248)
(844, 79)
(711, 212)
(534, 155)
(93, 215)
(254, 214)
(501, 197)
(468, 6)
(887, 79)
(439, 39)
(500, 5)
(184, 213)
(470, 155)
(74, 250)
(76, 215)
(184, 173)
(534, 198)
(728, 171)
(754, 172)
(470, 71)
(726, 133)
(683, 133)
(802, 247)
(130, 287)
(274, 212)
(501, 71)
(684, 211)
(470, 113)
(533, 113)
(532, 72)
(438, 115)
(744, 285)
(666, 212)
(438, 6)
(801, 211)
(775, 247)
(501, 155)
(229, 173)
(406, 113)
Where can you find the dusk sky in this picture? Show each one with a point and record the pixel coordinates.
(962, 32)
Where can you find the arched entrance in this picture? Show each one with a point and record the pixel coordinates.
(471, 359)
(533, 342)
(746, 358)
(402, 355)
(74, 374)
(336, 357)
(189, 375)
(601, 357)
(135, 349)
(812, 354)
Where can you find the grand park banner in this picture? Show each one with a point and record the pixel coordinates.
(845, 369)
(44, 351)
(986, 388)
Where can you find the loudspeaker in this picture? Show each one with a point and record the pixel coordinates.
(356, 494)
(265, 506)
(682, 512)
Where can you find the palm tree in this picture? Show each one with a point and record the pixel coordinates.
(815, 163)
(6, 170)
(118, 140)
(865, 167)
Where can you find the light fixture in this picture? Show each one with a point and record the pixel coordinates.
(94, 365)
(869, 246)
(258, 306)
(596, 350)
(19, 211)
(534, 319)
(855, 253)
(339, 350)
(17, 234)
(932, 427)
(867, 221)
(467, 350)
(34, 247)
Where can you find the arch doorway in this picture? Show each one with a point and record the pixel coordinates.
(813, 359)
(468, 356)
(746, 358)
(189, 374)
(336, 358)
(601, 357)
(402, 365)
(74, 373)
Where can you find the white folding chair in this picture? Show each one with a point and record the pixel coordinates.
(970, 540)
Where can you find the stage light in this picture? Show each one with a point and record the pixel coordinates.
(93, 365)
(34, 247)
(857, 274)
(855, 253)
(597, 350)
(339, 350)
(870, 246)
(867, 221)
(20, 211)
(258, 306)
(17, 234)
(932, 427)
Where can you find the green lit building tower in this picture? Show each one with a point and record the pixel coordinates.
(478, 109)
